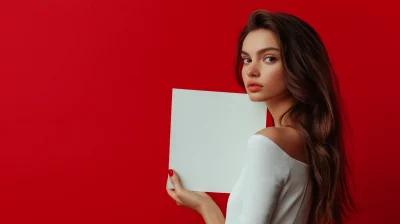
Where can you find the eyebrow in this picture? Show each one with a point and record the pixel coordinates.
(262, 50)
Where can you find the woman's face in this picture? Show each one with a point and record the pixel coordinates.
(262, 72)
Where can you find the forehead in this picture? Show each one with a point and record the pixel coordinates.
(259, 39)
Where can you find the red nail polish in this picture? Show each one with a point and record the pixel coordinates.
(171, 172)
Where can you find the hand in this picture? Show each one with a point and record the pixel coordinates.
(190, 199)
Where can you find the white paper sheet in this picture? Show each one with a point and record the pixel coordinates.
(208, 138)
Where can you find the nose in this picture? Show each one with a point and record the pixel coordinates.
(253, 71)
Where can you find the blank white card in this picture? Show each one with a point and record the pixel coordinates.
(209, 135)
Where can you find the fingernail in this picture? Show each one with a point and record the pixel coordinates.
(171, 172)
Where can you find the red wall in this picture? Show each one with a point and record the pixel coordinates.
(85, 91)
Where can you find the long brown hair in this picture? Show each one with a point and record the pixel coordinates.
(311, 81)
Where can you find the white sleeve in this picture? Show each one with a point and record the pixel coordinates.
(266, 170)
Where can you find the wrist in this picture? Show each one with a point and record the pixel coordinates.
(211, 213)
(206, 207)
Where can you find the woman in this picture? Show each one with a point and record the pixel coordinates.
(295, 171)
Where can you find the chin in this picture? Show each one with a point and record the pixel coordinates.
(256, 97)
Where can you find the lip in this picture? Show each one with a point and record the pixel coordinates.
(253, 84)
(254, 87)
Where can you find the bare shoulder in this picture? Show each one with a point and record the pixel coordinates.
(288, 139)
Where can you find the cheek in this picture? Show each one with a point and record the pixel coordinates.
(244, 76)
(274, 80)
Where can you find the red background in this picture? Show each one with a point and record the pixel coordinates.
(85, 91)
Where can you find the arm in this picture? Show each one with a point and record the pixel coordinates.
(267, 168)
(212, 214)
(200, 202)
(266, 171)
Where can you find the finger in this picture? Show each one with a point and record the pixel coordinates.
(173, 195)
(175, 180)
(202, 193)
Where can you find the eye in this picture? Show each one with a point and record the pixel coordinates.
(246, 60)
(270, 59)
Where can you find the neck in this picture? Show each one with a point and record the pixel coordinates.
(277, 107)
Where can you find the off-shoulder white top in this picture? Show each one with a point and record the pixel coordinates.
(273, 187)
